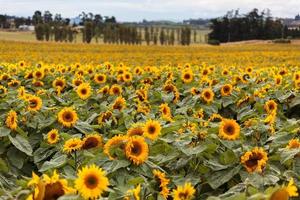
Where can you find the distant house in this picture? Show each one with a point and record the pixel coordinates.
(294, 24)
(26, 28)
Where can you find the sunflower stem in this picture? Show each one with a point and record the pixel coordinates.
(75, 160)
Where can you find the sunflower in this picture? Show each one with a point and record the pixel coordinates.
(104, 117)
(278, 80)
(115, 90)
(138, 70)
(46, 187)
(163, 183)
(229, 129)
(84, 91)
(207, 95)
(195, 91)
(77, 81)
(293, 144)
(255, 160)
(3, 91)
(21, 92)
(92, 141)
(137, 150)
(165, 111)
(34, 103)
(119, 104)
(127, 77)
(73, 144)
(226, 90)
(104, 90)
(38, 74)
(37, 83)
(67, 117)
(285, 192)
(185, 192)
(270, 106)
(14, 83)
(53, 136)
(187, 76)
(113, 144)
(100, 78)
(142, 94)
(136, 129)
(199, 114)
(59, 82)
(134, 192)
(12, 120)
(91, 182)
(152, 129)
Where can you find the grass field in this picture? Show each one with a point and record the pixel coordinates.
(27, 36)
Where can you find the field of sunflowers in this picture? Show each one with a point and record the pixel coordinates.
(144, 123)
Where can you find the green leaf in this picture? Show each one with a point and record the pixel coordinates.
(22, 144)
(3, 166)
(69, 197)
(217, 179)
(228, 157)
(194, 151)
(84, 127)
(16, 158)
(4, 131)
(54, 163)
(288, 154)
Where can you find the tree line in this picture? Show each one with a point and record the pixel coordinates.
(253, 25)
(107, 29)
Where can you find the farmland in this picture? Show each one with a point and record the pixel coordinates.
(82, 121)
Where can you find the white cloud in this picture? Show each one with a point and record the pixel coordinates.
(150, 9)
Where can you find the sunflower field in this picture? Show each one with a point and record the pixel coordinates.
(147, 123)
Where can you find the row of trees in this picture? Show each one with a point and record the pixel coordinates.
(253, 25)
(107, 29)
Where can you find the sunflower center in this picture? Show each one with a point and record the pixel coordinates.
(136, 149)
(68, 117)
(151, 129)
(53, 191)
(116, 91)
(271, 107)
(38, 74)
(229, 129)
(33, 103)
(253, 160)
(91, 181)
(187, 76)
(83, 91)
(90, 143)
(183, 195)
(59, 83)
(207, 95)
(53, 136)
(226, 89)
(280, 194)
(100, 78)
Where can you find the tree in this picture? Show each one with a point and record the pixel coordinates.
(39, 31)
(162, 36)
(147, 36)
(88, 29)
(172, 37)
(37, 17)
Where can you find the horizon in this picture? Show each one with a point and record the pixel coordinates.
(150, 10)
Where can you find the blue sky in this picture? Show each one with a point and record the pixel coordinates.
(137, 10)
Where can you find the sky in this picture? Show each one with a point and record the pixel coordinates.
(137, 10)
